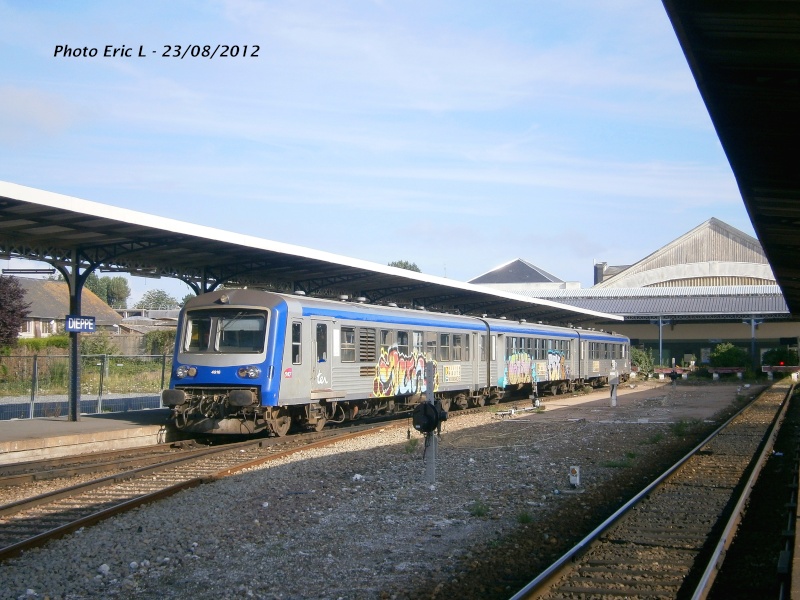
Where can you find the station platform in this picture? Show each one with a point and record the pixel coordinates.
(52, 437)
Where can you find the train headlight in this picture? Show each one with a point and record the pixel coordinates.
(185, 371)
(251, 372)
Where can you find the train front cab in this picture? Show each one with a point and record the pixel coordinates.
(227, 354)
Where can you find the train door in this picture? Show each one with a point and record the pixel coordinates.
(321, 369)
(480, 377)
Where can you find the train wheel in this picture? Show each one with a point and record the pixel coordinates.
(563, 388)
(493, 399)
(281, 422)
(477, 401)
(320, 424)
(460, 401)
(446, 402)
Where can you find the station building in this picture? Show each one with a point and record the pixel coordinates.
(711, 285)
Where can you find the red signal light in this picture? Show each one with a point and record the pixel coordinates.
(781, 363)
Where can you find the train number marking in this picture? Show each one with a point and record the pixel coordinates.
(321, 379)
(216, 371)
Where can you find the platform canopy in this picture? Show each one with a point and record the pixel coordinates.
(67, 231)
(745, 58)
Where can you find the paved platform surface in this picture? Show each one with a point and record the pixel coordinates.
(33, 439)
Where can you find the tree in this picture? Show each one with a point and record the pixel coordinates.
(97, 285)
(404, 264)
(13, 310)
(114, 291)
(188, 297)
(157, 300)
(728, 355)
(118, 292)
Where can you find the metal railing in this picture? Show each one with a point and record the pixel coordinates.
(36, 386)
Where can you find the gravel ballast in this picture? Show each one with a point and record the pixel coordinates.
(358, 519)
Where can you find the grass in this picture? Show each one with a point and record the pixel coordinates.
(524, 518)
(411, 445)
(478, 509)
(621, 463)
(654, 439)
(683, 427)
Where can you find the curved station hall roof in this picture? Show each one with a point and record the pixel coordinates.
(68, 231)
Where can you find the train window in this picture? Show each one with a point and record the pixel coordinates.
(466, 347)
(417, 339)
(494, 347)
(457, 343)
(297, 343)
(444, 346)
(482, 347)
(402, 342)
(623, 350)
(322, 342)
(198, 330)
(348, 344)
(241, 332)
(386, 340)
(366, 344)
(430, 346)
(235, 331)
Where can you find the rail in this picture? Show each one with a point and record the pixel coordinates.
(543, 583)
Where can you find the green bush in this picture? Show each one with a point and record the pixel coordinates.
(728, 355)
(780, 356)
(643, 360)
(98, 343)
(40, 344)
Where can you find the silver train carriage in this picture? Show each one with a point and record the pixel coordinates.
(248, 361)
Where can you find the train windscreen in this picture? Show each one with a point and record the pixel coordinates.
(225, 331)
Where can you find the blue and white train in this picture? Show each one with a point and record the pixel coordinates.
(248, 361)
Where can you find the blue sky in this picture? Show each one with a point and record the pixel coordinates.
(457, 135)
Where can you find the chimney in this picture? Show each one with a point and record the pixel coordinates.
(599, 271)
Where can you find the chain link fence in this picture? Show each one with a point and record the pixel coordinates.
(37, 386)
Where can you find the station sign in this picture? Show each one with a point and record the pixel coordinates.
(79, 324)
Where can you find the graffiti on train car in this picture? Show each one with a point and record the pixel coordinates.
(556, 365)
(398, 374)
(519, 369)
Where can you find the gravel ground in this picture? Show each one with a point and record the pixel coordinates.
(358, 520)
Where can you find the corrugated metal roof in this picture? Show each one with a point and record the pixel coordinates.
(712, 302)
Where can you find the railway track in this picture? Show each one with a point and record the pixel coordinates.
(32, 521)
(668, 541)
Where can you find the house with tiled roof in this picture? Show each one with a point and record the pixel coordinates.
(49, 306)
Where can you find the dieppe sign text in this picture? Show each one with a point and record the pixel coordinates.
(79, 324)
